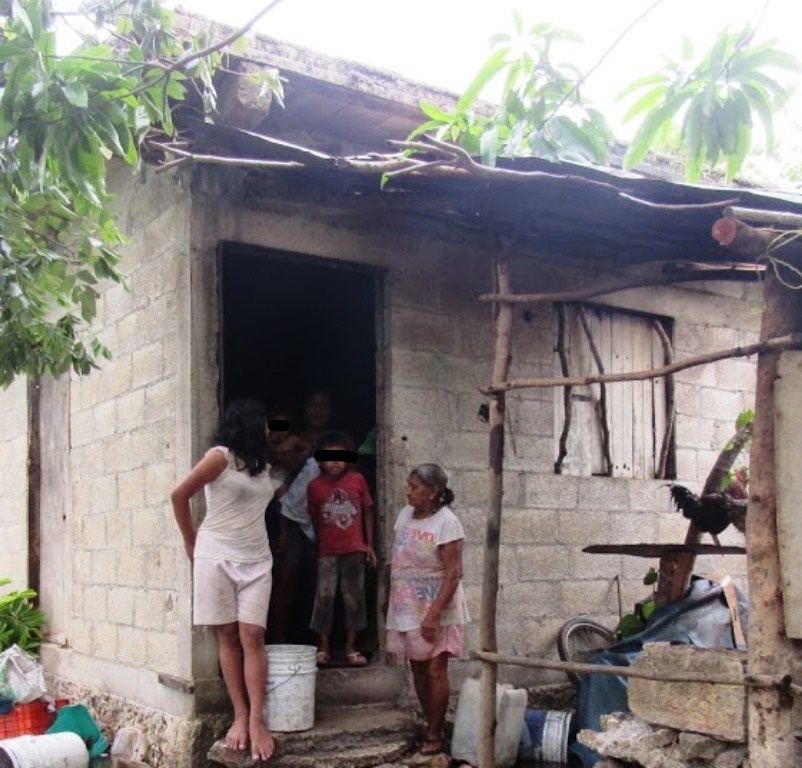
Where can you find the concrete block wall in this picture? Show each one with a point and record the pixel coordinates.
(14, 485)
(130, 588)
(441, 348)
(437, 350)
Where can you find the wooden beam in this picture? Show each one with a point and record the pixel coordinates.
(741, 238)
(769, 713)
(775, 218)
(581, 294)
(490, 569)
(791, 341)
(775, 681)
(34, 484)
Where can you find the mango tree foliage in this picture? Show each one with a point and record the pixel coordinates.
(63, 118)
(540, 112)
(707, 109)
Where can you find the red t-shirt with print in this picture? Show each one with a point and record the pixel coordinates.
(336, 506)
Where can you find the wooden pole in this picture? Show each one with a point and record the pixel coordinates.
(769, 716)
(488, 640)
(782, 681)
(34, 484)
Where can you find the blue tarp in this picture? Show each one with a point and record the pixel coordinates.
(701, 618)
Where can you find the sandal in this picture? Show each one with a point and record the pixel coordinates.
(431, 747)
(322, 657)
(356, 659)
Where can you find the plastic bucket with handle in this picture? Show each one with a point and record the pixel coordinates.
(290, 693)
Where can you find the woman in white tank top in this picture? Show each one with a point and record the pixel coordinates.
(231, 562)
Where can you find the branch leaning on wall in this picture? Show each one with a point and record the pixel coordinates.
(602, 404)
(668, 358)
(567, 402)
(791, 341)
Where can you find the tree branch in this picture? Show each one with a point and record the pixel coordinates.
(605, 429)
(220, 160)
(580, 294)
(567, 404)
(791, 341)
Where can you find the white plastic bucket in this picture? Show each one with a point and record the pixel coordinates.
(545, 735)
(290, 699)
(54, 750)
(510, 708)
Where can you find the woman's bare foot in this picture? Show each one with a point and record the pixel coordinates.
(237, 736)
(262, 744)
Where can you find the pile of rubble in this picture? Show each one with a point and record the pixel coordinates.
(626, 740)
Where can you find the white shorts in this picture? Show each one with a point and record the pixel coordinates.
(225, 591)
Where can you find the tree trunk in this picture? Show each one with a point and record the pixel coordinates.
(488, 640)
(771, 740)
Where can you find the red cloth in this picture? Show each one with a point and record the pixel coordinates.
(336, 506)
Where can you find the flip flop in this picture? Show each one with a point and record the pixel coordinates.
(321, 657)
(355, 659)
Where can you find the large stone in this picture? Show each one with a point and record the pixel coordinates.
(707, 708)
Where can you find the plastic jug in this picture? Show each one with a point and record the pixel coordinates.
(510, 709)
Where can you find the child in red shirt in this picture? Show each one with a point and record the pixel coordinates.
(341, 509)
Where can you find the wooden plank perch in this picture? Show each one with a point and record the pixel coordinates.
(779, 343)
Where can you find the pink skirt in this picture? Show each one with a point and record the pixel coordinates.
(412, 646)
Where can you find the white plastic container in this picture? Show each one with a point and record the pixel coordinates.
(54, 750)
(510, 708)
(290, 691)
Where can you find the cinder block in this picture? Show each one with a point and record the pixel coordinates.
(715, 710)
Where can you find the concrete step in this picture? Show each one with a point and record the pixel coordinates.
(336, 686)
(342, 737)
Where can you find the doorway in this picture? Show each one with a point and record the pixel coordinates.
(292, 325)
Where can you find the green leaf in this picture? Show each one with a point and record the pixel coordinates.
(650, 126)
(744, 418)
(489, 146)
(435, 113)
(494, 64)
(76, 94)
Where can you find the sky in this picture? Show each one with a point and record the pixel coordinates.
(443, 42)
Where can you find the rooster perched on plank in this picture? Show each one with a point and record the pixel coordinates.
(713, 512)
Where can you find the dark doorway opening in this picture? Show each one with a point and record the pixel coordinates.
(292, 325)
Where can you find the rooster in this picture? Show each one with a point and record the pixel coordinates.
(713, 512)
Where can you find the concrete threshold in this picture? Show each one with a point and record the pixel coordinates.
(342, 737)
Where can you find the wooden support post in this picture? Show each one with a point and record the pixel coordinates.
(770, 725)
(488, 640)
(771, 739)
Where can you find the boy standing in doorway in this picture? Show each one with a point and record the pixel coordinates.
(341, 509)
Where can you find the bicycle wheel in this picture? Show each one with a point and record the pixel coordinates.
(579, 638)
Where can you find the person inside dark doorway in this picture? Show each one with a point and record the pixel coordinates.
(288, 454)
(316, 416)
(341, 509)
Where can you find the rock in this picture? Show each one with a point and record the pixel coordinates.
(695, 746)
(129, 744)
(715, 710)
(628, 738)
(731, 758)
(232, 758)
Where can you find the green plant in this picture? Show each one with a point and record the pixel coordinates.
(630, 623)
(715, 98)
(541, 112)
(21, 622)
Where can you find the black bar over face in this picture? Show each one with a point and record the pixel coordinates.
(335, 454)
(278, 425)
